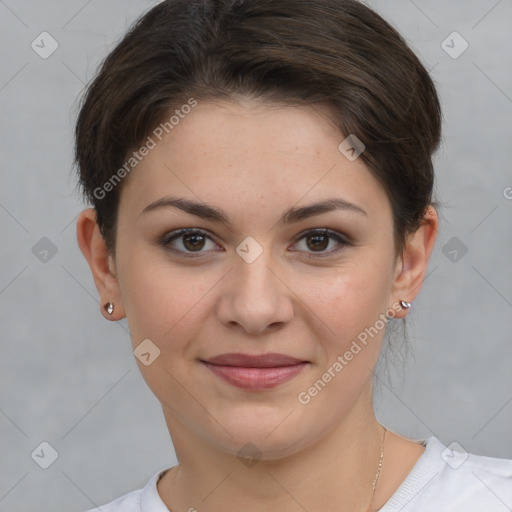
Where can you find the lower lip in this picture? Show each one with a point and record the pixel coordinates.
(256, 378)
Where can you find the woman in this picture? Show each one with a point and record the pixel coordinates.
(261, 179)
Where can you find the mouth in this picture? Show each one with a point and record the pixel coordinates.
(257, 372)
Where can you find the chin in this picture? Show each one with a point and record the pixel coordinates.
(262, 447)
(266, 437)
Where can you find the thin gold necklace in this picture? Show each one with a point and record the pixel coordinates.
(379, 467)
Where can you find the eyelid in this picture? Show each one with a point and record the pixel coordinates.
(341, 239)
(177, 234)
(322, 231)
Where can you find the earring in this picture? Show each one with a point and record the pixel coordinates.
(405, 305)
(109, 307)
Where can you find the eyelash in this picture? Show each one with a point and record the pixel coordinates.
(173, 235)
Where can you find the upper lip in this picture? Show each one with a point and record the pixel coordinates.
(271, 360)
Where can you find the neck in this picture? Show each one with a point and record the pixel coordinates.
(336, 473)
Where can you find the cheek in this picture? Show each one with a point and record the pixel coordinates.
(349, 336)
(164, 302)
(348, 299)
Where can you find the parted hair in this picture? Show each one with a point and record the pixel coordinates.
(298, 52)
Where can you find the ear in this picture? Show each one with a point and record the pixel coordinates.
(412, 265)
(102, 264)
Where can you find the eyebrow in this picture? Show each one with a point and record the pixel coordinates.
(290, 216)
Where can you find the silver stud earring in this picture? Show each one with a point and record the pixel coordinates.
(109, 307)
(405, 304)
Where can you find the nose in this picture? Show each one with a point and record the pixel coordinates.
(255, 297)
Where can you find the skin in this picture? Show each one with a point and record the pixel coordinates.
(254, 161)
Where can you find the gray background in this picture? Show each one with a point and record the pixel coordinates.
(69, 377)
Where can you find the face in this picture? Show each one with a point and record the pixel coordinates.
(260, 272)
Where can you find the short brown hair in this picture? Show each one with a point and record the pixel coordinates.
(300, 51)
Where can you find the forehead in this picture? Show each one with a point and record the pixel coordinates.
(254, 155)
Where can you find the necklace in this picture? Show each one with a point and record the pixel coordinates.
(379, 467)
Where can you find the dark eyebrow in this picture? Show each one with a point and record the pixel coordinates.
(290, 216)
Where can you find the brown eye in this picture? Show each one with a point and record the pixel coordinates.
(193, 242)
(187, 241)
(317, 241)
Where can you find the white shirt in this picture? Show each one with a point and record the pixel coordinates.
(442, 480)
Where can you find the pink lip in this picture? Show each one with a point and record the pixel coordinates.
(255, 372)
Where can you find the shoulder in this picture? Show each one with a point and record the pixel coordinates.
(146, 499)
(128, 503)
(467, 480)
(447, 480)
